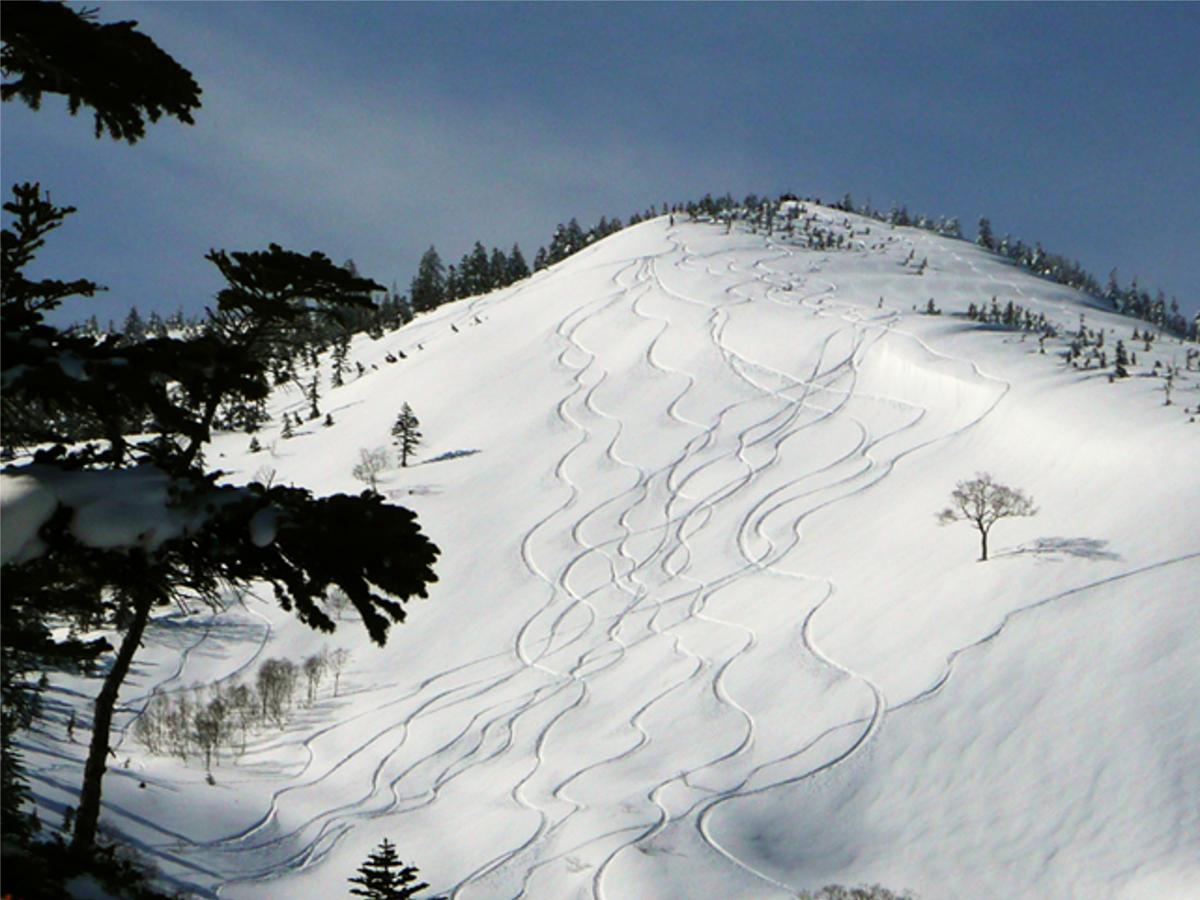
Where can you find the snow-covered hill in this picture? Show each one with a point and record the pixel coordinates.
(698, 632)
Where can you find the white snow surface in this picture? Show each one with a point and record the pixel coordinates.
(118, 509)
(697, 632)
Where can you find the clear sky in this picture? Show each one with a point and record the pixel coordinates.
(372, 130)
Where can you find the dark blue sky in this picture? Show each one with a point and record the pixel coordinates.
(371, 130)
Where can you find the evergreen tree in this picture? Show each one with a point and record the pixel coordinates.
(1112, 290)
(341, 350)
(476, 273)
(384, 877)
(1121, 361)
(134, 329)
(497, 269)
(407, 437)
(428, 288)
(517, 267)
(404, 311)
(18, 824)
(454, 285)
(986, 239)
(568, 239)
(575, 239)
(116, 70)
(156, 326)
(314, 390)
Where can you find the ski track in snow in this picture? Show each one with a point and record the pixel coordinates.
(579, 411)
(581, 631)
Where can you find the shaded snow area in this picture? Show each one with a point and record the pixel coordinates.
(110, 510)
(698, 632)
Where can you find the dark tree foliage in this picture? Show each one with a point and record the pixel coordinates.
(371, 551)
(454, 284)
(117, 71)
(986, 239)
(475, 272)
(14, 787)
(497, 269)
(428, 287)
(517, 267)
(406, 433)
(1121, 360)
(153, 402)
(568, 239)
(384, 877)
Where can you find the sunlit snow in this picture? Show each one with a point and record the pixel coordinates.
(697, 631)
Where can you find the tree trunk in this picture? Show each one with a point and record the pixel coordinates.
(88, 815)
(983, 544)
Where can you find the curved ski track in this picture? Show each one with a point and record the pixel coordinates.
(553, 674)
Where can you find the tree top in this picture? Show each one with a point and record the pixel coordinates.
(112, 68)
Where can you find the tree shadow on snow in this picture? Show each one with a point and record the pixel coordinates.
(449, 454)
(1055, 549)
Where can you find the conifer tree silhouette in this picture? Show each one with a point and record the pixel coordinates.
(408, 438)
(384, 877)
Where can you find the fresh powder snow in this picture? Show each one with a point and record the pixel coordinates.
(698, 632)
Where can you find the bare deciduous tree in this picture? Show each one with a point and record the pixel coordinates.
(314, 670)
(337, 600)
(178, 725)
(209, 729)
(150, 727)
(244, 701)
(265, 475)
(370, 464)
(276, 683)
(982, 502)
(337, 660)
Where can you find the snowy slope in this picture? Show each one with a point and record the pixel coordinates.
(697, 631)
